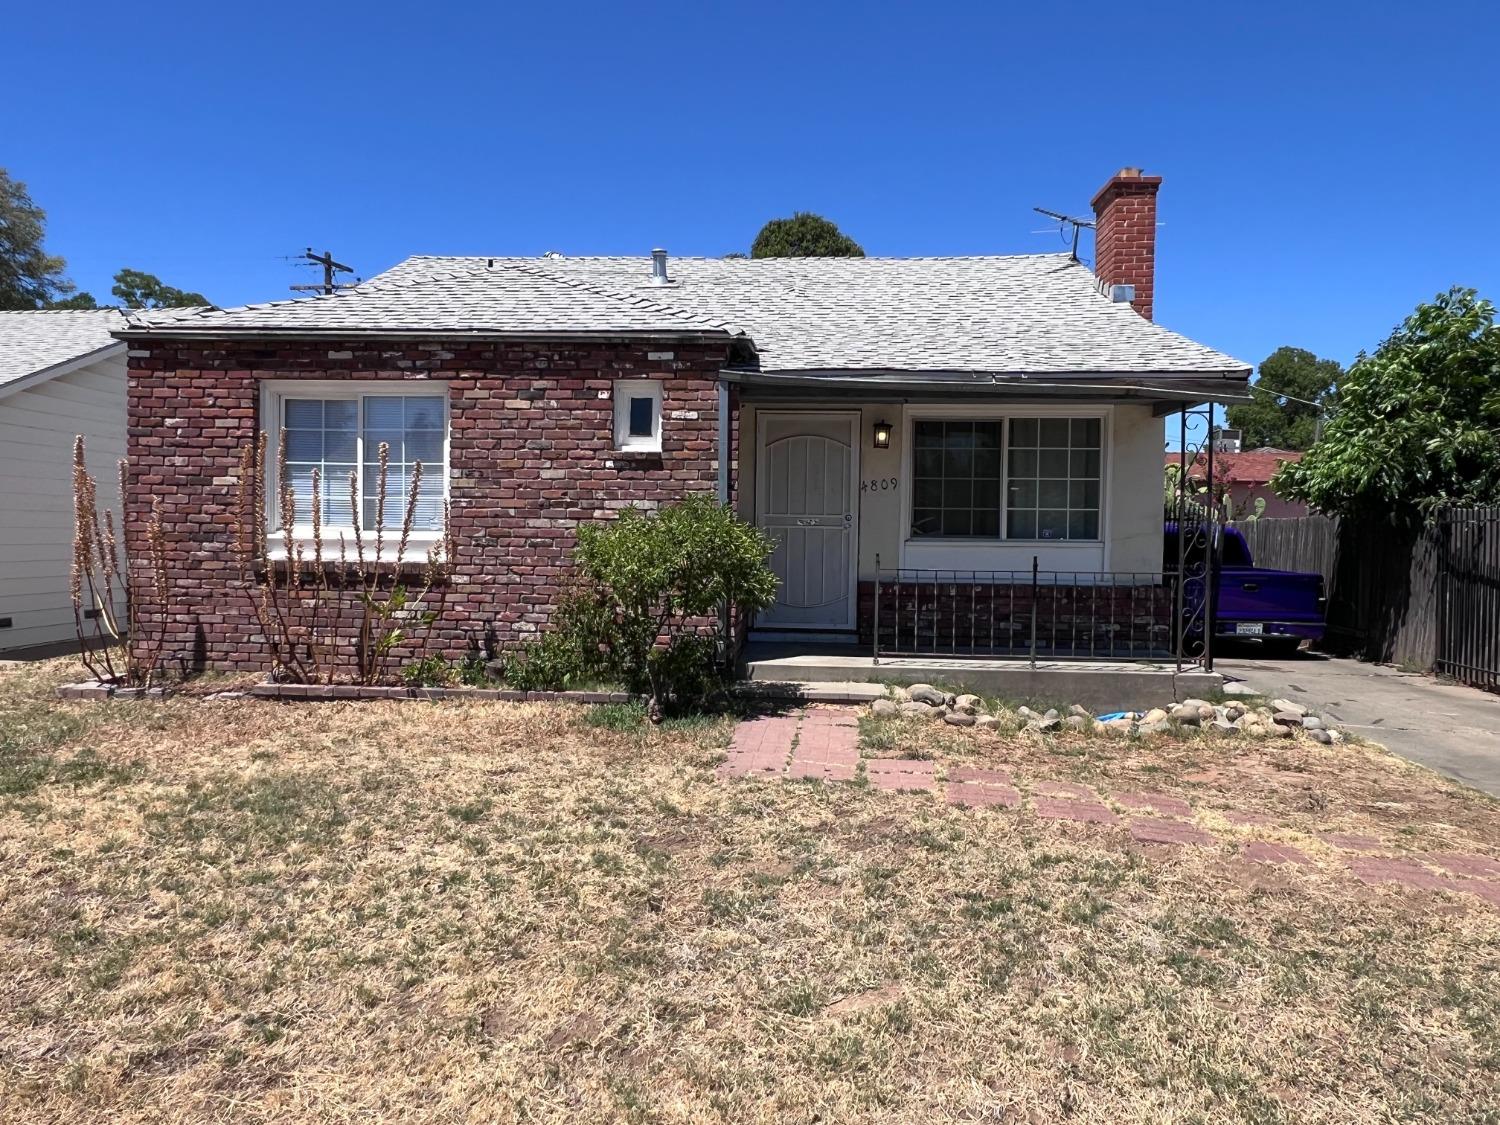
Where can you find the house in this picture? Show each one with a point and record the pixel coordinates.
(1243, 479)
(61, 374)
(986, 415)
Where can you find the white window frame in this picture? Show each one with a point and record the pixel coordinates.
(273, 396)
(1004, 415)
(623, 391)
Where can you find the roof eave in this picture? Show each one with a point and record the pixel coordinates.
(180, 333)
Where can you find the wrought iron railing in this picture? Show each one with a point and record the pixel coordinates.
(1035, 613)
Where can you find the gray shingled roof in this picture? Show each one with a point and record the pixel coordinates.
(33, 341)
(1023, 314)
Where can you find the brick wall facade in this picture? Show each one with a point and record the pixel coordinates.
(1125, 235)
(531, 456)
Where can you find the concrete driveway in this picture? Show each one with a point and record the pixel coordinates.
(1454, 730)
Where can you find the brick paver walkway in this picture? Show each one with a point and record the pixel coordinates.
(822, 744)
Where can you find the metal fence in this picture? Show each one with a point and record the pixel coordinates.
(1468, 619)
(1046, 614)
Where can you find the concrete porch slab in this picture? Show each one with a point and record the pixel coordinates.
(1097, 685)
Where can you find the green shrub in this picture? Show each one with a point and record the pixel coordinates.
(659, 576)
(473, 668)
(430, 671)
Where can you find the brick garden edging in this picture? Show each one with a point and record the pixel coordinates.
(319, 693)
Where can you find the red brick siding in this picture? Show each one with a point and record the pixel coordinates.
(1125, 236)
(531, 456)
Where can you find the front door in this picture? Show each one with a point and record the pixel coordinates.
(806, 503)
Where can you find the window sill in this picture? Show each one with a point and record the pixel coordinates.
(417, 547)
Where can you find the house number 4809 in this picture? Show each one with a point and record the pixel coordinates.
(878, 484)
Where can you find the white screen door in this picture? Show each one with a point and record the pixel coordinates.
(806, 471)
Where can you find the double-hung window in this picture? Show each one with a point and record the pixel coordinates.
(998, 478)
(338, 433)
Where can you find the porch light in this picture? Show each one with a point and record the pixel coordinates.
(882, 435)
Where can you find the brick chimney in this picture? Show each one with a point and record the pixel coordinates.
(1125, 235)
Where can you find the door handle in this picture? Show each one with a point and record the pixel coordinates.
(1251, 587)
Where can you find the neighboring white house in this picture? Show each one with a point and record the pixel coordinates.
(61, 374)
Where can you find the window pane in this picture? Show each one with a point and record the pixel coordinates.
(1083, 494)
(1023, 432)
(1022, 524)
(1085, 463)
(425, 446)
(1083, 525)
(955, 477)
(423, 412)
(926, 521)
(642, 415)
(373, 440)
(1052, 524)
(1054, 433)
(1022, 463)
(1052, 463)
(1052, 494)
(1023, 494)
(304, 445)
(304, 413)
(1086, 433)
(341, 414)
(339, 445)
(384, 412)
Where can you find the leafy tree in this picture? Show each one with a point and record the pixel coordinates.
(804, 235)
(1417, 424)
(30, 278)
(137, 290)
(1271, 417)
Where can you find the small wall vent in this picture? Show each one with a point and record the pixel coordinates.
(1121, 294)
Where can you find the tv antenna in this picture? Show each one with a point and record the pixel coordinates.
(330, 268)
(1078, 224)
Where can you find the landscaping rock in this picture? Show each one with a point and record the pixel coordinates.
(899, 693)
(1286, 705)
(1154, 726)
(918, 710)
(1187, 714)
(1223, 726)
(1233, 712)
(1279, 730)
(1078, 722)
(885, 707)
(1286, 719)
(959, 719)
(1312, 722)
(1318, 734)
(1028, 714)
(1120, 726)
(1080, 712)
(926, 693)
(1044, 724)
(966, 704)
(1052, 713)
(987, 722)
(1155, 715)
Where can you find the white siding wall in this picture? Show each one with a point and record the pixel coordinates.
(1132, 515)
(37, 427)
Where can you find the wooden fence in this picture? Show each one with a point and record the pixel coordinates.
(1425, 598)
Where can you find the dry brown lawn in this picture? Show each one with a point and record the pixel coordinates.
(245, 911)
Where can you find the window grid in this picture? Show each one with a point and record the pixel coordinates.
(340, 435)
(1053, 474)
(1053, 478)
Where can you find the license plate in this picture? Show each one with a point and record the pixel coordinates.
(1246, 629)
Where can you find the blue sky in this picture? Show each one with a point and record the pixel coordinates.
(1327, 166)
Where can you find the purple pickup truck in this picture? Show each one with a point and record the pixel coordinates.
(1278, 608)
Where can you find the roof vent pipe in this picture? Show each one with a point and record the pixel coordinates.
(659, 268)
